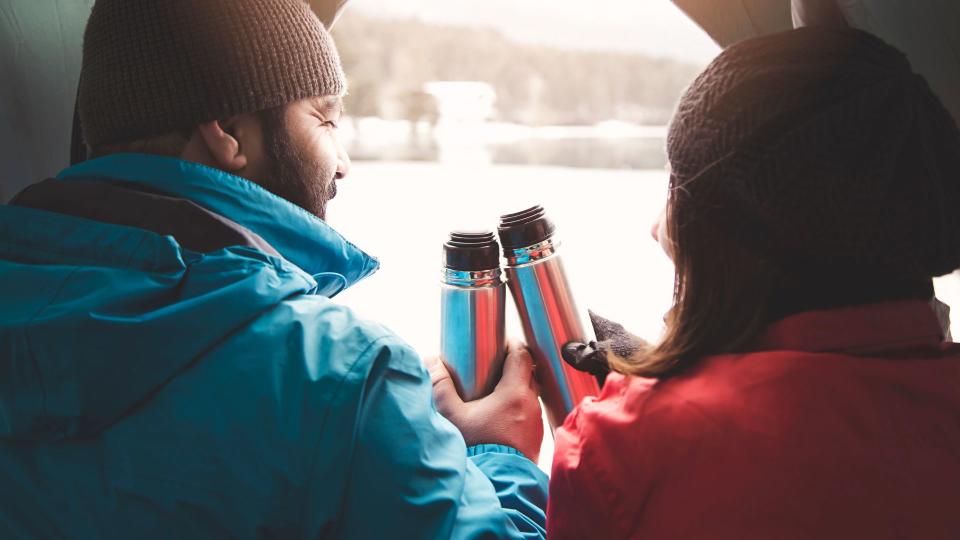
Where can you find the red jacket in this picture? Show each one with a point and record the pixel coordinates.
(844, 424)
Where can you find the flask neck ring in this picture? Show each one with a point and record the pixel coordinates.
(532, 253)
(471, 278)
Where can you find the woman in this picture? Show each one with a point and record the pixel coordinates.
(802, 387)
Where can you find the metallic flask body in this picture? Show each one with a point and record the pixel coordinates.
(547, 309)
(472, 314)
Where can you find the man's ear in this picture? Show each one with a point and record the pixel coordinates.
(223, 141)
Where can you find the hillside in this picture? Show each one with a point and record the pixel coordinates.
(389, 60)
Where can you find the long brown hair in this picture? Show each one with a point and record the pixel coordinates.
(725, 293)
(720, 296)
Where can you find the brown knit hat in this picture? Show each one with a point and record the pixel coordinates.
(156, 66)
(821, 151)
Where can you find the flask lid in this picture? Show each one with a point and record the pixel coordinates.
(524, 228)
(471, 251)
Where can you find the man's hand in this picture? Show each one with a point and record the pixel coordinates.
(510, 415)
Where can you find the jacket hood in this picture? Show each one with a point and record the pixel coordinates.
(299, 236)
(95, 317)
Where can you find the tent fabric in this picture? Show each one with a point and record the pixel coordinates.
(328, 10)
(729, 21)
(817, 12)
(39, 69)
(926, 33)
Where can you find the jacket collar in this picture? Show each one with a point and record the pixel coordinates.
(297, 235)
(860, 329)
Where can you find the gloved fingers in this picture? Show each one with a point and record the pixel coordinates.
(614, 338)
(604, 328)
(578, 355)
(590, 357)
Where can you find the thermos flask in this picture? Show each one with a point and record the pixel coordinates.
(547, 309)
(472, 312)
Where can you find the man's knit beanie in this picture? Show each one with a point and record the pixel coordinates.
(822, 152)
(156, 66)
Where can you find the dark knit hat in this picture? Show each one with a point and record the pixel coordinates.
(821, 151)
(156, 66)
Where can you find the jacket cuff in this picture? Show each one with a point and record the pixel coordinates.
(478, 449)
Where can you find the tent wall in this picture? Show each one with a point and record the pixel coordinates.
(729, 21)
(928, 31)
(40, 44)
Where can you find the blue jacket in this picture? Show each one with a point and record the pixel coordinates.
(148, 390)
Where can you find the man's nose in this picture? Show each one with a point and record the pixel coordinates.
(343, 163)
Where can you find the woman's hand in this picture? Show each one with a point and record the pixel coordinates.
(594, 357)
(510, 415)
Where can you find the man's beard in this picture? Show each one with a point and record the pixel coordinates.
(290, 172)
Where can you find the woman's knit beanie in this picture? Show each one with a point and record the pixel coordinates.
(156, 66)
(821, 151)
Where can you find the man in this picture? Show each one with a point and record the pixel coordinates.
(171, 365)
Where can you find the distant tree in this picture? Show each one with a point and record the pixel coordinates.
(389, 60)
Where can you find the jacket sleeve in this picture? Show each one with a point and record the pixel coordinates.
(411, 475)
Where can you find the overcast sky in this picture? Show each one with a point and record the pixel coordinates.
(654, 27)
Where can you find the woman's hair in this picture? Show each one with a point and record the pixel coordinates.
(810, 169)
(720, 296)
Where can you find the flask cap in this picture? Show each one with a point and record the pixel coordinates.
(525, 228)
(471, 251)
